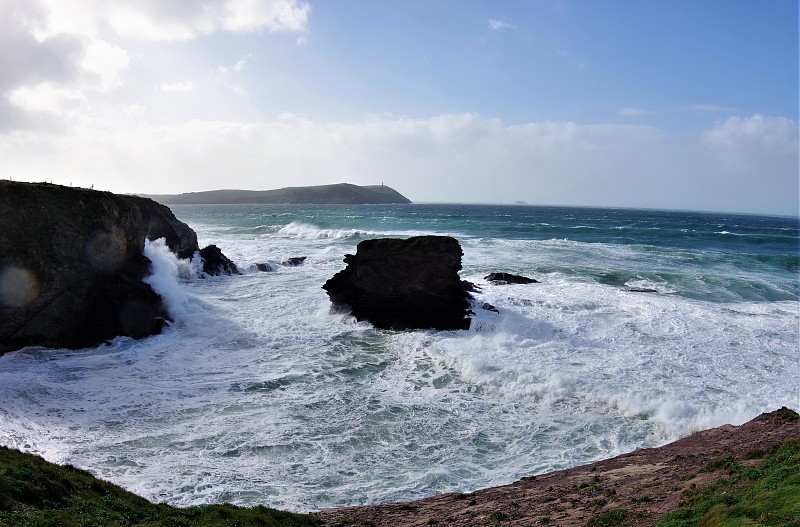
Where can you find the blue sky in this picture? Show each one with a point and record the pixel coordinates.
(684, 105)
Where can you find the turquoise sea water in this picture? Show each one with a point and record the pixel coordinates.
(259, 395)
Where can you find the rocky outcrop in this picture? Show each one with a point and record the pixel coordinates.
(508, 278)
(216, 263)
(71, 265)
(404, 284)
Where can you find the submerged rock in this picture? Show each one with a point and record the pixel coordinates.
(508, 278)
(404, 284)
(72, 264)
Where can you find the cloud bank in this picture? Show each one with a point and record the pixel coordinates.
(451, 158)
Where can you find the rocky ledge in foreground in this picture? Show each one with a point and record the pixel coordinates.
(404, 284)
(72, 264)
(635, 490)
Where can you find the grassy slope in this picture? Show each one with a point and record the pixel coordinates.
(766, 494)
(35, 493)
(342, 193)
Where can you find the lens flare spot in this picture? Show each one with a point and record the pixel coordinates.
(105, 251)
(18, 287)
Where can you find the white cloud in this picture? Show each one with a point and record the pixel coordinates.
(170, 20)
(497, 25)
(52, 51)
(748, 135)
(758, 157)
(177, 87)
(173, 20)
(275, 15)
(103, 64)
(48, 98)
(461, 157)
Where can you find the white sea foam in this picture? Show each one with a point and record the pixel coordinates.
(260, 395)
(166, 269)
(312, 232)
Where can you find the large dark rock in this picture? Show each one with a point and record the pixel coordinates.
(404, 284)
(71, 265)
(216, 263)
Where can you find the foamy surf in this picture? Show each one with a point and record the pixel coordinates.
(258, 394)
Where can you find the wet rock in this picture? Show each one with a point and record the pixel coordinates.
(508, 278)
(641, 290)
(404, 284)
(294, 261)
(486, 306)
(216, 263)
(266, 267)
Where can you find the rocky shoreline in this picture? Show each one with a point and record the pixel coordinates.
(646, 484)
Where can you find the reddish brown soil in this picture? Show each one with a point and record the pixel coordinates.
(646, 483)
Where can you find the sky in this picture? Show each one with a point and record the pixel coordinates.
(685, 104)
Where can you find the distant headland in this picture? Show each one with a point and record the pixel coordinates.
(338, 194)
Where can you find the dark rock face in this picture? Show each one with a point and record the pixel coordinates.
(404, 284)
(508, 278)
(216, 263)
(71, 265)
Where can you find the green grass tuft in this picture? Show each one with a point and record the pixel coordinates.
(35, 493)
(611, 518)
(766, 495)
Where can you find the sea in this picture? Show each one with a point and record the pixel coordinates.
(646, 326)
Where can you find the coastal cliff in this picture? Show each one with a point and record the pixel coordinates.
(71, 265)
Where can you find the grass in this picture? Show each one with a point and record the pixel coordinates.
(35, 493)
(612, 518)
(765, 495)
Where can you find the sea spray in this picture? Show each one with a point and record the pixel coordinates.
(166, 271)
(260, 395)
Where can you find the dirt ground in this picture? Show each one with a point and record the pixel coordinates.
(647, 483)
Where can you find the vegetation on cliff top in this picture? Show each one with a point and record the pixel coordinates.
(35, 493)
(339, 194)
(766, 493)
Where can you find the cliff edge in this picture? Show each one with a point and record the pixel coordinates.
(71, 265)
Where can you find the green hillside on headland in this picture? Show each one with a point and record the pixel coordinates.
(338, 194)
